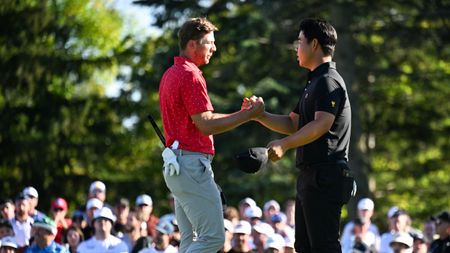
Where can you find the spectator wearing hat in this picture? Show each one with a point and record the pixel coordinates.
(261, 233)
(44, 237)
(164, 230)
(401, 243)
(275, 244)
(6, 228)
(229, 230)
(103, 240)
(58, 214)
(97, 190)
(8, 245)
(241, 238)
(271, 207)
(289, 244)
(419, 242)
(92, 206)
(369, 235)
(244, 204)
(280, 226)
(32, 194)
(135, 228)
(7, 209)
(79, 219)
(122, 209)
(253, 214)
(144, 204)
(73, 237)
(400, 223)
(442, 244)
(22, 222)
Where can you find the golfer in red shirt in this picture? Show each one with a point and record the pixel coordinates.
(189, 124)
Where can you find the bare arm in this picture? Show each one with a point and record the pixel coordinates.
(310, 132)
(284, 124)
(210, 123)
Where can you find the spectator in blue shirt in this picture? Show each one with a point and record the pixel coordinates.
(44, 238)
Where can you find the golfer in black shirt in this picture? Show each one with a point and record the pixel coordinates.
(319, 127)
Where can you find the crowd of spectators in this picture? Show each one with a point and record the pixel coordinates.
(99, 227)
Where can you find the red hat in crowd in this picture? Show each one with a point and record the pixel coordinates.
(59, 203)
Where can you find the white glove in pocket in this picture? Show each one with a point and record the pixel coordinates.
(171, 166)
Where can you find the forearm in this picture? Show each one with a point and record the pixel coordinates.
(307, 134)
(216, 123)
(278, 123)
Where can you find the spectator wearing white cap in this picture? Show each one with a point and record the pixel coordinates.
(8, 245)
(370, 233)
(261, 233)
(161, 244)
(144, 204)
(32, 194)
(401, 243)
(103, 240)
(241, 238)
(22, 222)
(401, 223)
(253, 214)
(92, 205)
(275, 244)
(97, 190)
(271, 207)
(244, 204)
(44, 237)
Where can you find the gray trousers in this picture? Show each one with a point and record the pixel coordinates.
(198, 207)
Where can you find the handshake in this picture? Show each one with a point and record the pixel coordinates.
(255, 105)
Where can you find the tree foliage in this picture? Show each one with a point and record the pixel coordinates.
(60, 131)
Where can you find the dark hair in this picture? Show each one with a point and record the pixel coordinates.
(76, 229)
(194, 29)
(321, 30)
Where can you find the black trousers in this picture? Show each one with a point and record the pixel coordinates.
(322, 190)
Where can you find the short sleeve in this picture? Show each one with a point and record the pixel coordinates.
(195, 95)
(330, 95)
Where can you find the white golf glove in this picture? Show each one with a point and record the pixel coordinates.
(171, 166)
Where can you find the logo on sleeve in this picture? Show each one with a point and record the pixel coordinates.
(333, 103)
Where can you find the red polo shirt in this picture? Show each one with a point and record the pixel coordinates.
(182, 93)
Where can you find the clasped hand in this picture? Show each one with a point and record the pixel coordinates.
(255, 105)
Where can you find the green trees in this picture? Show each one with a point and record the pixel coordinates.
(60, 131)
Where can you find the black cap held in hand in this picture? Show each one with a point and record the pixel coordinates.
(252, 159)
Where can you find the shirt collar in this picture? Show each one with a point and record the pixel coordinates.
(321, 69)
(182, 60)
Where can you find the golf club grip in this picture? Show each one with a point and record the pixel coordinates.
(158, 132)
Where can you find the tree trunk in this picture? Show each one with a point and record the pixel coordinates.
(345, 58)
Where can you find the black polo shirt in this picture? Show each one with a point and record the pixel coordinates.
(325, 91)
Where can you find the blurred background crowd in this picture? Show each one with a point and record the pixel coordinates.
(131, 226)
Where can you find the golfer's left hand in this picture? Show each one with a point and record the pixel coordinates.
(276, 150)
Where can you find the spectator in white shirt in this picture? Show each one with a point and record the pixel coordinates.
(399, 223)
(22, 222)
(103, 240)
(371, 233)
